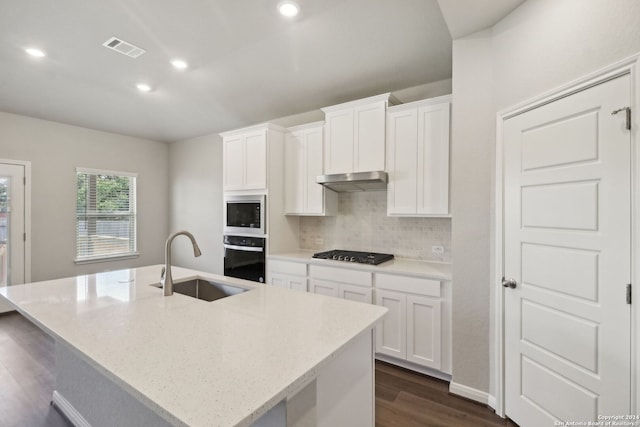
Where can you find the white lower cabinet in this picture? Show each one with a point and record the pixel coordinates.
(413, 327)
(423, 331)
(391, 334)
(342, 283)
(290, 275)
(417, 328)
(356, 293)
(324, 287)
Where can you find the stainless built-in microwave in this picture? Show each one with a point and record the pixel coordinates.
(244, 215)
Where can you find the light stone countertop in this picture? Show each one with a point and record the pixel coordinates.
(424, 269)
(242, 354)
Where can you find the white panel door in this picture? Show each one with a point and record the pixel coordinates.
(402, 162)
(391, 334)
(279, 279)
(567, 230)
(314, 192)
(255, 166)
(294, 172)
(339, 142)
(297, 283)
(424, 323)
(433, 155)
(233, 155)
(356, 293)
(324, 288)
(369, 137)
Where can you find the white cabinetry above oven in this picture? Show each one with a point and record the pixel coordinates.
(245, 156)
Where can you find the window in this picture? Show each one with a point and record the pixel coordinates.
(105, 215)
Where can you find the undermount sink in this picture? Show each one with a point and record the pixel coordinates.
(204, 289)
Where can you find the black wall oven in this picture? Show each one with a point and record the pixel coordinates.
(244, 257)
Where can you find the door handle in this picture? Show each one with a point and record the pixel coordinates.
(509, 283)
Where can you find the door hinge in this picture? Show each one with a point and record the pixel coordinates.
(24, 180)
(629, 293)
(627, 111)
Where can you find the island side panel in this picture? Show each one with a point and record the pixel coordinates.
(98, 400)
(345, 387)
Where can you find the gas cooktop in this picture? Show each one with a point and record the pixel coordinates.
(353, 256)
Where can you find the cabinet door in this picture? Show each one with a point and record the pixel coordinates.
(356, 293)
(433, 159)
(278, 279)
(402, 162)
(233, 158)
(255, 166)
(297, 283)
(392, 332)
(369, 137)
(423, 331)
(323, 288)
(339, 142)
(314, 192)
(294, 173)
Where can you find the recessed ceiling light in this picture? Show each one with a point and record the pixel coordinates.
(179, 64)
(35, 52)
(288, 8)
(143, 87)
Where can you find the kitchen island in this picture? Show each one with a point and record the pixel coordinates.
(127, 355)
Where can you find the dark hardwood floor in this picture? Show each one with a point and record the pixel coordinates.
(407, 399)
(403, 398)
(27, 376)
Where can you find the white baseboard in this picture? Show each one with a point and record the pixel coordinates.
(469, 393)
(68, 410)
(5, 307)
(492, 402)
(414, 367)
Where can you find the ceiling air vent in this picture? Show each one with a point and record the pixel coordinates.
(123, 47)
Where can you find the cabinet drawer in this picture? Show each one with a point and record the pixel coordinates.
(296, 268)
(414, 285)
(345, 275)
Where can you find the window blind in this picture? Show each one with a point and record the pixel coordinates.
(105, 214)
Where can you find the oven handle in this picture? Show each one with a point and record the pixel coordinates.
(244, 248)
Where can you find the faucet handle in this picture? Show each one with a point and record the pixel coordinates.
(162, 273)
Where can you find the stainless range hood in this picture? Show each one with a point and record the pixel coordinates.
(356, 181)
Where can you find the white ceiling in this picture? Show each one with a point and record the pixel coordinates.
(247, 64)
(464, 17)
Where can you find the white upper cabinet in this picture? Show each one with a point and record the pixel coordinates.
(245, 158)
(355, 135)
(418, 158)
(303, 163)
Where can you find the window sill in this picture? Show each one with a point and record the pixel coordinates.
(107, 258)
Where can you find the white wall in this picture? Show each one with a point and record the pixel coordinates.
(539, 46)
(196, 201)
(471, 163)
(546, 43)
(55, 150)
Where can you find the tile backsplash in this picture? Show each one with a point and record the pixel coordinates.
(362, 224)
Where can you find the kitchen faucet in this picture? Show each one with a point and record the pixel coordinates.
(165, 276)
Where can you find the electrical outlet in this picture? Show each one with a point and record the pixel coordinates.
(319, 240)
(437, 249)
